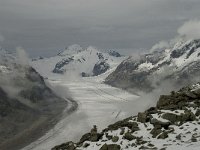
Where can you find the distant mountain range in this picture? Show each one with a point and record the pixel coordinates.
(79, 62)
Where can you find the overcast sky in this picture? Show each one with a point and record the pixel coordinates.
(42, 27)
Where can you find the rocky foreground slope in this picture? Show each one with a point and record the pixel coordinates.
(28, 107)
(174, 123)
(178, 64)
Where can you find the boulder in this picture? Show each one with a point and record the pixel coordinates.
(187, 116)
(68, 146)
(129, 136)
(171, 117)
(142, 117)
(163, 135)
(155, 131)
(110, 147)
(115, 139)
(123, 123)
(155, 122)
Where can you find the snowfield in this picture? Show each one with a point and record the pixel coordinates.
(98, 104)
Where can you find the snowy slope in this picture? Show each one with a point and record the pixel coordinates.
(77, 61)
(173, 124)
(179, 64)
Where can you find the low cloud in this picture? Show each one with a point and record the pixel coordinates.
(22, 56)
(190, 29)
(159, 46)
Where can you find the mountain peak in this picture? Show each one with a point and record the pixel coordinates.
(72, 49)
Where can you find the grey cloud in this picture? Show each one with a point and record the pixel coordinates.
(43, 27)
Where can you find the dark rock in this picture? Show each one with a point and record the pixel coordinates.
(158, 122)
(122, 131)
(110, 147)
(187, 116)
(140, 141)
(66, 146)
(197, 92)
(109, 137)
(190, 94)
(129, 136)
(86, 145)
(94, 134)
(100, 67)
(155, 132)
(197, 112)
(115, 139)
(178, 137)
(193, 139)
(163, 135)
(142, 117)
(85, 137)
(123, 123)
(59, 66)
(114, 53)
(143, 147)
(171, 117)
(83, 74)
(152, 110)
(100, 56)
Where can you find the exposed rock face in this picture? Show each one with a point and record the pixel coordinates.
(178, 99)
(114, 53)
(59, 66)
(178, 65)
(100, 67)
(79, 61)
(174, 121)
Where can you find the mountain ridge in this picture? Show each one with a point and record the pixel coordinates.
(27, 104)
(176, 64)
(81, 62)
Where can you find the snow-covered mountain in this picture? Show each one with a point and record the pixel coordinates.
(172, 124)
(179, 64)
(79, 62)
(27, 105)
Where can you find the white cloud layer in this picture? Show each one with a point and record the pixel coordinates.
(190, 29)
(44, 27)
(22, 56)
(160, 45)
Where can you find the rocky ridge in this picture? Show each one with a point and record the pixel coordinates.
(178, 64)
(28, 107)
(173, 123)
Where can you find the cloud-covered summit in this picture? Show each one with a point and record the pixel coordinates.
(190, 29)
